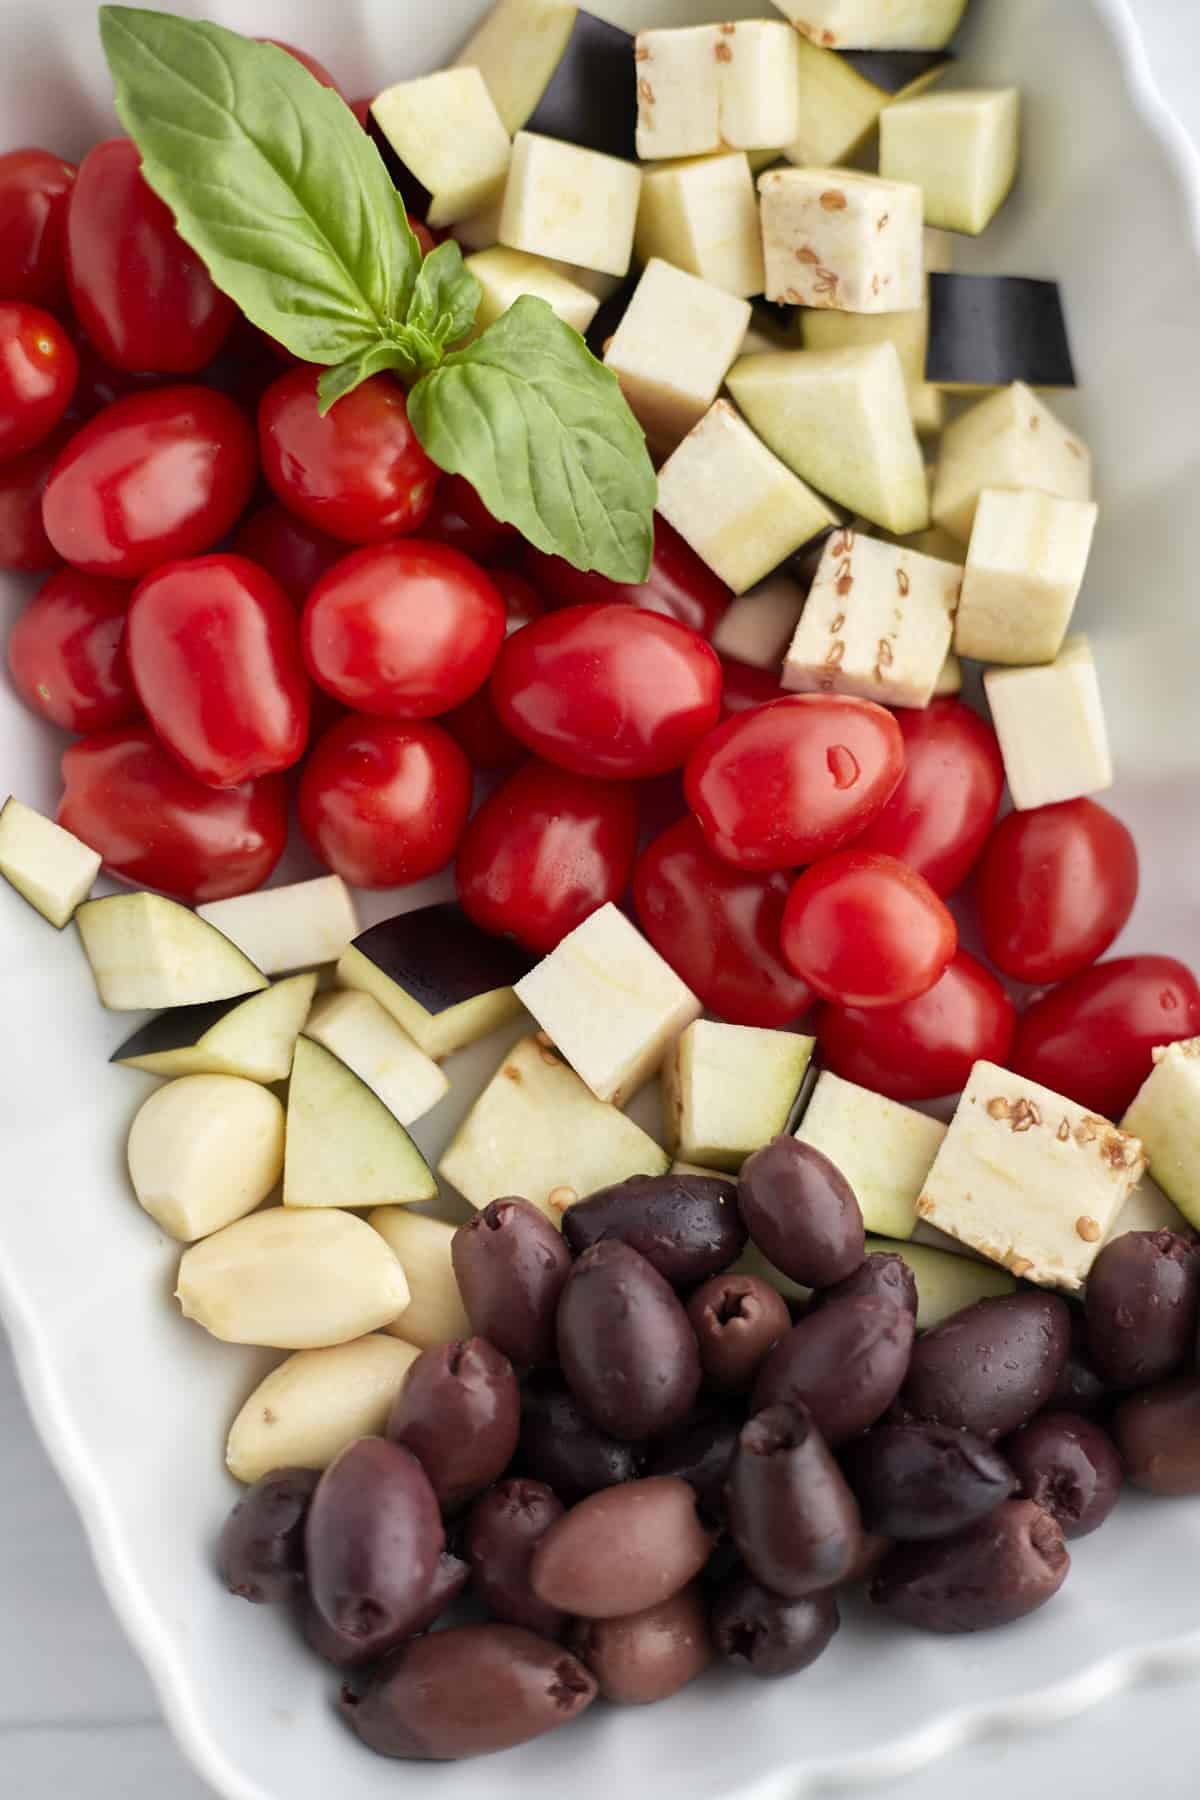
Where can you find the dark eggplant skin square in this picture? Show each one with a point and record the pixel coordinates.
(591, 98)
(990, 330)
(892, 71)
(440, 959)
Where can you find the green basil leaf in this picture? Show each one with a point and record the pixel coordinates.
(446, 295)
(270, 178)
(542, 431)
(344, 377)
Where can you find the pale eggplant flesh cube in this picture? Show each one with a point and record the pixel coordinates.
(298, 926)
(450, 141)
(49, 867)
(988, 330)
(254, 1037)
(148, 952)
(344, 1146)
(876, 24)
(591, 98)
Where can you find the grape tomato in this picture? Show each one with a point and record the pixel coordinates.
(38, 372)
(865, 930)
(679, 585)
(66, 653)
(295, 553)
(35, 189)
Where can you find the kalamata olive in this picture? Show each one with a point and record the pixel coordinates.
(990, 1367)
(767, 1635)
(502, 1532)
(924, 1481)
(801, 1212)
(622, 1550)
(872, 1550)
(565, 1450)
(1070, 1466)
(510, 1264)
(1079, 1388)
(700, 1450)
(625, 1344)
(1158, 1435)
(373, 1540)
(883, 1276)
(687, 1226)
(1143, 1296)
(737, 1320)
(260, 1554)
(449, 1579)
(459, 1412)
(845, 1362)
(790, 1512)
(994, 1571)
(646, 1656)
(467, 1692)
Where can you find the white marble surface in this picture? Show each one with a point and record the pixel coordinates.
(78, 1720)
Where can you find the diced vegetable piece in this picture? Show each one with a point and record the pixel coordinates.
(253, 1038)
(1147, 1208)
(203, 1151)
(757, 627)
(909, 331)
(1009, 440)
(344, 1147)
(702, 215)
(833, 238)
(357, 1030)
(1029, 1179)
(48, 866)
(728, 1089)
(708, 87)
(504, 275)
(674, 347)
(315, 1403)
(945, 1281)
(884, 1150)
(1025, 567)
(517, 49)
(147, 952)
(538, 1131)
(843, 93)
(451, 141)
(876, 24)
(482, 230)
(560, 71)
(950, 681)
(435, 1314)
(961, 150)
(569, 203)
(1166, 1117)
(988, 330)
(299, 926)
(1050, 722)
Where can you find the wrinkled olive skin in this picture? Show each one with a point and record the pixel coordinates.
(802, 1213)
(737, 1320)
(510, 1264)
(1157, 1432)
(466, 1692)
(997, 1570)
(503, 1529)
(626, 1347)
(565, 1450)
(449, 1581)
(622, 1550)
(845, 1362)
(883, 1276)
(1079, 1388)
(646, 1656)
(260, 1553)
(990, 1367)
(766, 1635)
(1069, 1465)
(1143, 1297)
(790, 1512)
(924, 1481)
(459, 1412)
(686, 1226)
(871, 1553)
(701, 1451)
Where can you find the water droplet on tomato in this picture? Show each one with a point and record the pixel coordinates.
(843, 766)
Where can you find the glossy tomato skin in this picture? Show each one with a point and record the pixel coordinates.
(35, 189)
(925, 1047)
(143, 296)
(66, 653)
(608, 690)
(214, 650)
(157, 826)
(719, 928)
(865, 930)
(383, 802)
(358, 473)
(743, 687)
(939, 818)
(38, 373)
(679, 585)
(1092, 1038)
(153, 478)
(23, 541)
(475, 725)
(296, 554)
(545, 851)
(459, 517)
(795, 779)
(1055, 887)
(404, 630)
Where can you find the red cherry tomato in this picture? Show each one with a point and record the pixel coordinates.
(294, 553)
(679, 585)
(214, 650)
(158, 827)
(1055, 887)
(359, 472)
(35, 188)
(865, 930)
(459, 517)
(384, 802)
(142, 295)
(718, 927)
(545, 851)
(475, 725)
(315, 68)
(925, 1047)
(405, 630)
(792, 780)
(938, 819)
(1092, 1038)
(23, 540)
(743, 686)
(152, 478)
(66, 653)
(99, 384)
(38, 373)
(608, 690)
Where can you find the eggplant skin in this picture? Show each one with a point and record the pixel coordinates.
(439, 958)
(591, 98)
(991, 330)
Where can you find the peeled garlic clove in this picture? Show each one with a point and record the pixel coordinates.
(316, 1403)
(435, 1315)
(205, 1150)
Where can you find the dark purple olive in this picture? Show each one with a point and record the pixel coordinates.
(1070, 1466)
(737, 1320)
(883, 1276)
(990, 1367)
(468, 1692)
(1143, 1297)
(700, 1450)
(622, 1550)
(993, 1572)
(646, 1656)
(565, 1450)
(510, 1263)
(1079, 1388)
(845, 1362)
(801, 1212)
(626, 1347)
(449, 1580)
(1158, 1435)
(459, 1412)
(767, 1635)
(373, 1543)
(924, 1481)
(871, 1553)
(686, 1226)
(260, 1553)
(502, 1533)
(790, 1512)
